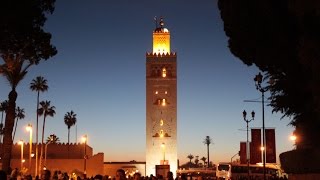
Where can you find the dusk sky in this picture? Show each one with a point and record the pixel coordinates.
(99, 73)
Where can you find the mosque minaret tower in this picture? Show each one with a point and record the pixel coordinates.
(161, 103)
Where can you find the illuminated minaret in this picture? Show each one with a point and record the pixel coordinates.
(161, 103)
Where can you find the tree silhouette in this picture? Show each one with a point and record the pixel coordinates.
(19, 115)
(24, 43)
(207, 141)
(3, 109)
(196, 160)
(46, 110)
(204, 160)
(39, 84)
(282, 39)
(53, 139)
(190, 157)
(70, 120)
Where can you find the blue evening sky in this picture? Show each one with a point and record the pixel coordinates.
(99, 73)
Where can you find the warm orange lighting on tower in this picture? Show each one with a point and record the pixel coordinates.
(163, 102)
(161, 39)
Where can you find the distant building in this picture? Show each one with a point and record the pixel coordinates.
(161, 103)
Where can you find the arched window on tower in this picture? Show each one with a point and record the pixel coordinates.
(164, 102)
(161, 102)
(161, 133)
(164, 72)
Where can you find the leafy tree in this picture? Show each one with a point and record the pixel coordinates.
(24, 43)
(70, 120)
(19, 115)
(282, 39)
(207, 141)
(39, 84)
(46, 110)
(3, 108)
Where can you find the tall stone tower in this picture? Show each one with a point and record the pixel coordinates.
(161, 103)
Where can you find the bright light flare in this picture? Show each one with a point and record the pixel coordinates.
(293, 137)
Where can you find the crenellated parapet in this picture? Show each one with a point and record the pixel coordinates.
(54, 151)
(168, 54)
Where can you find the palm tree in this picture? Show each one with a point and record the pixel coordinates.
(39, 84)
(14, 70)
(204, 160)
(19, 115)
(24, 43)
(70, 119)
(196, 161)
(190, 157)
(207, 141)
(45, 110)
(53, 139)
(3, 109)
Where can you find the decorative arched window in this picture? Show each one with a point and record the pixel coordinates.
(163, 103)
(164, 72)
(161, 133)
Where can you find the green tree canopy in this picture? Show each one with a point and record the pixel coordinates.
(282, 39)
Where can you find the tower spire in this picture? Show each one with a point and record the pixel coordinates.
(161, 23)
(161, 38)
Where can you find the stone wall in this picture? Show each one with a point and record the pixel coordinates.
(60, 158)
(54, 151)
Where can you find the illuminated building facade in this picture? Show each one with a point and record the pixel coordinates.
(161, 103)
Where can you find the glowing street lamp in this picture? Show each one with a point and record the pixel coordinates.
(84, 140)
(29, 128)
(258, 81)
(293, 137)
(51, 139)
(244, 113)
(21, 144)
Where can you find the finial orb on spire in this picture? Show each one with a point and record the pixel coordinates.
(161, 22)
(161, 27)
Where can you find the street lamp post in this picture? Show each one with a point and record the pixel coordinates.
(85, 139)
(46, 148)
(29, 128)
(258, 80)
(21, 144)
(247, 145)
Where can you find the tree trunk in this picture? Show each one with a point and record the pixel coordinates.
(37, 135)
(42, 139)
(15, 129)
(68, 140)
(7, 138)
(1, 134)
(208, 154)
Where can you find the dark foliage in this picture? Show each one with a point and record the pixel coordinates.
(23, 43)
(282, 39)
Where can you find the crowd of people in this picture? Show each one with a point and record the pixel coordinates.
(58, 175)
